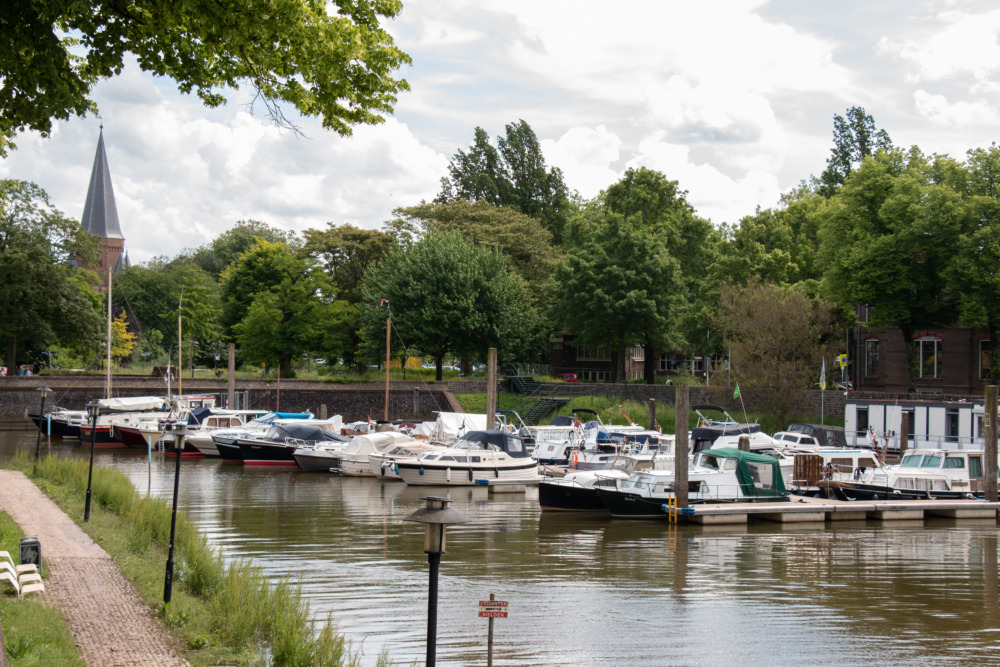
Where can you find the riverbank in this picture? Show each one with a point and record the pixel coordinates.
(111, 596)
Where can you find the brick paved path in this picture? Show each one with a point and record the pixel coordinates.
(110, 622)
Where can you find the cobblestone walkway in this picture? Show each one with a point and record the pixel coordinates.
(110, 622)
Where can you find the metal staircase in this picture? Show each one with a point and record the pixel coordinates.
(534, 404)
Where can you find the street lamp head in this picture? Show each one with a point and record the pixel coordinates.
(437, 516)
(45, 391)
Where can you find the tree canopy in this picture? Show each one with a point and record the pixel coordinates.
(332, 61)
(43, 299)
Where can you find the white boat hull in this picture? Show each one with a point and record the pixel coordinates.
(428, 474)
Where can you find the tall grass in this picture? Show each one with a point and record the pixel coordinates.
(247, 609)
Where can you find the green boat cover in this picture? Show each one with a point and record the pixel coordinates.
(759, 475)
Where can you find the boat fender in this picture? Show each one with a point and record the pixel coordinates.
(575, 460)
(470, 474)
(383, 470)
(421, 470)
(447, 474)
(496, 472)
(395, 468)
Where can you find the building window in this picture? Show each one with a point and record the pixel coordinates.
(638, 353)
(928, 357)
(951, 425)
(592, 354)
(594, 376)
(985, 360)
(861, 430)
(664, 362)
(871, 356)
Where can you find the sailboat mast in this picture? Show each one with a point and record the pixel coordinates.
(180, 373)
(108, 383)
(388, 329)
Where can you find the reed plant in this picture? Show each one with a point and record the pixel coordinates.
(225, 612)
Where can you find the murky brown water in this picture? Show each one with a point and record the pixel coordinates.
(594, 591)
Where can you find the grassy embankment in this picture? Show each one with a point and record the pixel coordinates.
(34, 632)
(220, 613)
(608, 409)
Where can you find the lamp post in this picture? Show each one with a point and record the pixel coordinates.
(168, 579)
(93, 409)
(44, 391)
(437, 516)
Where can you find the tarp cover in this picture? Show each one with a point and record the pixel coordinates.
(302, 431)
(759, 474)
(450, 425)
(132, 404)
(376, 442)
(502, 440)
(198, 415)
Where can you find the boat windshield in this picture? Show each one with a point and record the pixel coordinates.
(911, 461)
(931, 461)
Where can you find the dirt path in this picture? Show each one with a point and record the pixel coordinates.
(109, 621)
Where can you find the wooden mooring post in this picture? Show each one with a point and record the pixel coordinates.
(652, 414)
(904, 434)
(682, 406)
(491, 387)
(231, 384)
(990, 444)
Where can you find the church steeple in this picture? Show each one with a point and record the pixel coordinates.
(100, 214)
(100, 218)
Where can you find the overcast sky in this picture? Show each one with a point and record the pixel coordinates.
(732, 98)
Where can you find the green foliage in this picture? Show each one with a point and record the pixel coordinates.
(216, 257)
(618, 285)
(335, 65)
(854, 139)
(447, 296)
(42, 299)
(513, 175)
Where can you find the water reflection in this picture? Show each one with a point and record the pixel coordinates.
(589, 590)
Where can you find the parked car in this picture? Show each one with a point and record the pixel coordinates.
(567, 377)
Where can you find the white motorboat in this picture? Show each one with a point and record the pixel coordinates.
(352, 460)
(718, 475)
(494, 455)
(383, 463)
(922, 474)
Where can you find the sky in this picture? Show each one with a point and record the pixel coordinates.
(734, 99)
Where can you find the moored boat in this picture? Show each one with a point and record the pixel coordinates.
(576, 491)
(494, 455)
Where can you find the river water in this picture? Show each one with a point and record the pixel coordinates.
(592, 591)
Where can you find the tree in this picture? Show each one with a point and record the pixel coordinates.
(228, 246)
(524, 242)
(338, 66)
(854, 139)
(122, 340)
(345, 252)
(512, 175)
(777, 339)
(647, 199)
(447, 296)
(43, 299)
(618, 286)
(273, 304)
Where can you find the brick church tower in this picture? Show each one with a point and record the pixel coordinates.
(100, 218)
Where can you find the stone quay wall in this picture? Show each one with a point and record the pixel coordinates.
(354, 402)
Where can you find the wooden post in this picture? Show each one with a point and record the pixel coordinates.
(416, 403)
(489, 638)
(491, 387)
(231, 387)
(682, 404)
(990, 444)
(904, 434)
(322, 411)
(652, 414)
(744, 443)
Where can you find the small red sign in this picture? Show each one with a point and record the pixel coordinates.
(492, 609)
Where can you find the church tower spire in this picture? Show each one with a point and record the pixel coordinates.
(100, 215)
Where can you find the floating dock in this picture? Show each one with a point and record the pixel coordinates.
(804, 510)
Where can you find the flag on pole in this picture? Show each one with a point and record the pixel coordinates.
(736, 392)
(822, 376)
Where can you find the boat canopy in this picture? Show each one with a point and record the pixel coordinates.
(376, 442)
(759, 475)
(451, 425)
(306, 432)
(198, 415)
(132, 404)
(494, 439)
(561, 420)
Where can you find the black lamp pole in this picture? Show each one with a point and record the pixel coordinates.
(436, 516)
(93, 439)
(168, 579)
(41, 415)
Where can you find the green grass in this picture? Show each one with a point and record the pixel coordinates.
(219, 613)
(34, 632)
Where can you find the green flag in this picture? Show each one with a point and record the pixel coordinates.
(736, 392)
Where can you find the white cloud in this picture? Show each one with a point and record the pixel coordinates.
(584, 155)
(937, 109)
